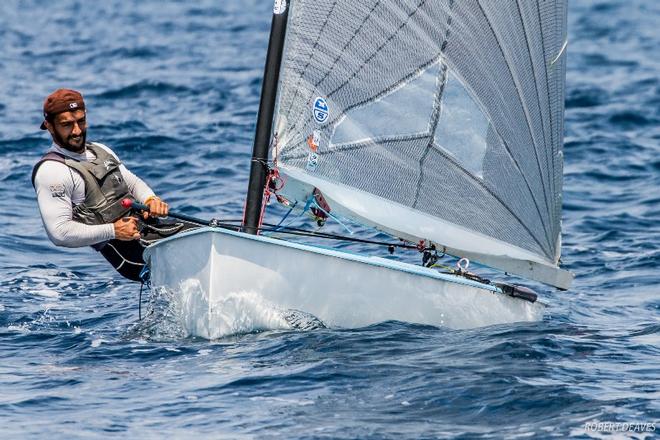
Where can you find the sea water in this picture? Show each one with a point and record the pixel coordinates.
(174, 87)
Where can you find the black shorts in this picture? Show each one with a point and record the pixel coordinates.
(126, 256)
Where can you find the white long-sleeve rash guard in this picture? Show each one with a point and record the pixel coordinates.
(59, 189)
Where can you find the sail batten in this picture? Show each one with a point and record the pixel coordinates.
(452, 109)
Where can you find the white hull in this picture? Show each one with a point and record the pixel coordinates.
(227, 282)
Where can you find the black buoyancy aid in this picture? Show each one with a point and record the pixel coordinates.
(105, 187)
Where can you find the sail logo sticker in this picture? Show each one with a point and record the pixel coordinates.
(314, 140)
(312, 161)
(320, 110)
(279, 7)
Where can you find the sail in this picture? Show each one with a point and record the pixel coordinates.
(431, 119)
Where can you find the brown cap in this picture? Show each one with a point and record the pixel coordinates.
(60, 101)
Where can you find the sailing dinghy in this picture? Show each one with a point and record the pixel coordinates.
(438, 122)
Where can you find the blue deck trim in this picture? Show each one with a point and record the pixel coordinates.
(372, 260)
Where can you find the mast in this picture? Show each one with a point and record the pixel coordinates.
(259, 168)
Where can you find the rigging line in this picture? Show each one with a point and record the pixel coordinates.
(140, 301)
(527, 119)
(309, 60)
(270, 227)
(548, 151)
(285, 216)
(124, 259)
(261, 161)
(305, 233)
(340, 53)
(335, 218)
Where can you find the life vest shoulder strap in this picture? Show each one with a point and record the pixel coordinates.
(51, 155)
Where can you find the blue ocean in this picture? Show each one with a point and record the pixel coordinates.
(173, 87)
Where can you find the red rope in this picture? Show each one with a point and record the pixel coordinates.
(273, 176)
(266, 199)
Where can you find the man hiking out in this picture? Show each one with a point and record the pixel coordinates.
(80, 186)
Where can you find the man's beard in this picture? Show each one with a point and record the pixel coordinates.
(67, 146)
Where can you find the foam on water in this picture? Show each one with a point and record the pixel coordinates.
(189, 313)
(47, 293)
(237, 312)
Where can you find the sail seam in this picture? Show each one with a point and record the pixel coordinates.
(526, 111)
(549, 160)
(441, 80)
(439, 150)
(547, 86)
(388, 89)
(370, 99)
(359, 69)
(351, 146)
(385, 43)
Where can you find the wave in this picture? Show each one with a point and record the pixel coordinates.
(585, 96)
(122, 53)
(26, 144)
(144, 88)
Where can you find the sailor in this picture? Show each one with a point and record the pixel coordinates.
(80, 186)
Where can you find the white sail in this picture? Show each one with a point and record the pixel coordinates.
(432, 119)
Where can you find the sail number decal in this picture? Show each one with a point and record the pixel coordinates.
(279, 7)
(320, 110)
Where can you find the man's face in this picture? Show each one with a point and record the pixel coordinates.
(69, 130)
